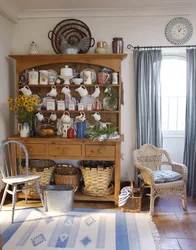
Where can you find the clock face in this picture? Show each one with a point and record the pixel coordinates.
(179, 30)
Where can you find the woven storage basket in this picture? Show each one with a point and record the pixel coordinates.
(133, 203)
(67, 175)
(97, 180)
(45, 169)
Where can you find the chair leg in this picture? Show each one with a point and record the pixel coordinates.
(13, 201)
(26, 193)
(184, 202)
(152, 199)
(4, 196)
(39, 192)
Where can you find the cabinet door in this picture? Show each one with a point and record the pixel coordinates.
(65, 150)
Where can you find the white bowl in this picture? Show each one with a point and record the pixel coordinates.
(77, 80)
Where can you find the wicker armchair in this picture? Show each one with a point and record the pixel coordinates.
(150, 158)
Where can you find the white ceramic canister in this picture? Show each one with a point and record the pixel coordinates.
(115, 78)
(33, 76)
(43, 77)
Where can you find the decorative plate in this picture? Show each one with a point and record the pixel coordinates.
(88, 100)
(179, 30)
(52, 72)
(67, 35)
(109, 71)
(94, 75)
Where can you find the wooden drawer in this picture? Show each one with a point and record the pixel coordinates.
(65, 150)
(35, 149)
(100, 151)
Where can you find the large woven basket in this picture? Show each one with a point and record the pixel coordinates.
(133, 203)
(97, 181)
(67, 175)
(45, 169)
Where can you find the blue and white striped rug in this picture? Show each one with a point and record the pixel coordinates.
(79, 229)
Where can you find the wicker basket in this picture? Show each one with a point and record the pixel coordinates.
(45, 169)
(67, 175)
(133, 203)
(97, 180)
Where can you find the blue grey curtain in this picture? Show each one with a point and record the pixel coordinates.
(147, 66)
(190, 127)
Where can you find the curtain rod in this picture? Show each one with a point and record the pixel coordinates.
(129, 46)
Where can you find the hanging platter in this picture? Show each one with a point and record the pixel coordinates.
(71, 36)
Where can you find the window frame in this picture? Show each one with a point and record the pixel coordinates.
(174, 133)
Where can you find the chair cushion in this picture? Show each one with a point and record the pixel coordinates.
(161, 176)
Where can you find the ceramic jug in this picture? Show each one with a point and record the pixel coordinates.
(81, 117)
(64, 128)
(53, 117)
(101, 48)
(26, 90)
(87, 77)
(24, 129)
(102, 77)
(82, 91)
(97, 116)
(81, 130)
(53, 92)
(66, 91)
(39, 116)
(65, 118)
(115, 78)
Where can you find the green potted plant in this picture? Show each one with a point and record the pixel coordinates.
(97, 132)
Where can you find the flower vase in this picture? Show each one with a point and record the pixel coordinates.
(24, 129)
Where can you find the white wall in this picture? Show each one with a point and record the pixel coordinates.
(137, 30)
(6, 83)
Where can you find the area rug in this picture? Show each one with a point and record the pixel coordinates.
(79, 229)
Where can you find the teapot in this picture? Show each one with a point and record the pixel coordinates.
(53, 92)
(65, 118)
(26, 90)
(82, 91)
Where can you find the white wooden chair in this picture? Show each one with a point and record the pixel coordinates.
(11, 155)
(149, 159)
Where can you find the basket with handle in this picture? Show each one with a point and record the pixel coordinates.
(67, 175)
(133, 203)
(41, 167)
(97, 181)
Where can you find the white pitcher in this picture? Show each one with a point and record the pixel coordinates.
(65, 118)
(26, 90)
(82, 91)
(65, 90)
(64, 128)
(24, 129)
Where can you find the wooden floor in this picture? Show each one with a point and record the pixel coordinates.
(177, 228)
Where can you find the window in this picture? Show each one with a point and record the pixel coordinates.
(173, 79)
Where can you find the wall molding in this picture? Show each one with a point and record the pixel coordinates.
(8, 13)
(14, 16)
(134, 12)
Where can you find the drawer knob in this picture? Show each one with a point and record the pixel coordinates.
(30, 149)
(65, 150)
(100, 151)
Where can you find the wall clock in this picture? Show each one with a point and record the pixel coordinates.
(179, 30)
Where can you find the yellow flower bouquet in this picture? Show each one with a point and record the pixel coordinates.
(24, 107)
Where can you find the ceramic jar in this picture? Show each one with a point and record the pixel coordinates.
(101, 48)
(33, 76)
(117, 45)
